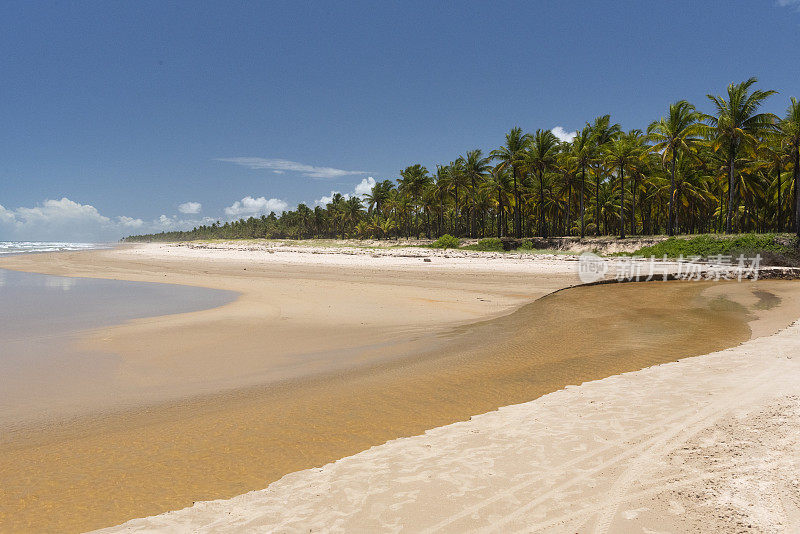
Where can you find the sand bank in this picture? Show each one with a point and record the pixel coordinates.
(706, 444)
(377, 349)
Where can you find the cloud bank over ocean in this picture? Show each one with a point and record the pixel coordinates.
(67, 220)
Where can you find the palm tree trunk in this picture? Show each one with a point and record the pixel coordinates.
(583, 186)
(778, 222)
(456, 214)
(441, 216)
(567, 229)
(597, 203)
(473, 215)
(499, 213)
(517, 219)
(731, 172)
(670, 223)
(622, 201)
(633, 205)
(542, 228)
(796, 173)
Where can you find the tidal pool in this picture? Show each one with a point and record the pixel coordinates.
(41, 373)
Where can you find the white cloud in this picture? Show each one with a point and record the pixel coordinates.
(785, 3)
(325, 200)
(190, 207)
(167, 224)
(130, 222)
(67, 220)
(6, 216)
(64, 210)
(279, 166)
(250, 206)
(365, 186)
(362, 188)
(563, 135)
(61, 220)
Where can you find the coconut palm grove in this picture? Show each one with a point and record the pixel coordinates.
(728, 170)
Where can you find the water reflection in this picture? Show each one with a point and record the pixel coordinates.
(40, 370)
(60, 282)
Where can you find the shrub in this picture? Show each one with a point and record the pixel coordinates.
(489, 244)
(712, 245)
(446, 241)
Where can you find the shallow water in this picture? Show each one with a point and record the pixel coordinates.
(151, 460)
(40, 316)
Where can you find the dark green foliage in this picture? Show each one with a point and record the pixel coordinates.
(712, 245)
(489, 244)
(446, 241)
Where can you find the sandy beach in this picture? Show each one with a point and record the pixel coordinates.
(706, 444)
(327, 353)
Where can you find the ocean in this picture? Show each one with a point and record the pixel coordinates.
(18, 247)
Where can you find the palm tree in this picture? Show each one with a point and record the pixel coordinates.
(736, 122)
(582, 151)
(510, 156)
(304, 214)
(475, 168)
(639, 165)
(568, 171)
(621, 153)
(671, 134)
(457, 178)
(608, 204)
(771, 155)
(441, 191)
(789, 130)
(603, 132)
(690, 189)
(498, 185)
(540, 159)
(412, 182)
(377, 197)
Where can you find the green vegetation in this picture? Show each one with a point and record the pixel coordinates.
(731, 170)
(445, 242)
(488, 244)
(713, 245)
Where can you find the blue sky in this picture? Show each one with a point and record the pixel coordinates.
(124, 117)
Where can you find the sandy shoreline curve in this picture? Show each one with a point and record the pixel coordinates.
(318, 327)
(705, 444)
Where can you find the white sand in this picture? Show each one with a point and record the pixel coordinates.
(378, 258)
(706, 444)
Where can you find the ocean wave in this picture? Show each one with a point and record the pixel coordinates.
(20, 247)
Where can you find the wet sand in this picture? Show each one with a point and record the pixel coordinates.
(101, 470)
(43, 377)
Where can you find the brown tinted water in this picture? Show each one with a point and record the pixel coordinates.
(102, 471)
